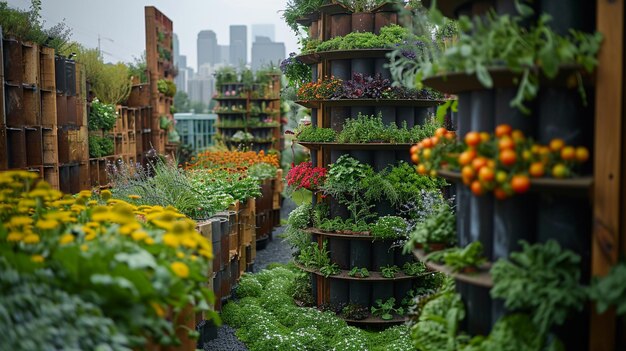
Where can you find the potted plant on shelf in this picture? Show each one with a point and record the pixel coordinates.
(436, 231)
(465, 260)
(386, 310)
(359, 272)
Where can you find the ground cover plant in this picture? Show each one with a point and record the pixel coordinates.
(269, 319)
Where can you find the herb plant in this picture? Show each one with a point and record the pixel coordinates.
(471, 256)
(359, 272)
(355, 312)
(101, 116)
(330, 269)
(385, 310)
(389, 227)
(389, 271)
(542, 279)
(438, 227)
(414, 268)
(296, 72)
(313, 134)
(610, 290)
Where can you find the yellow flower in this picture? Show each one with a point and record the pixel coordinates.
(61, 216)
(14, 236)
(66, 239)
(106, 194)
(47, 224)
(93, 225)
(37, 258)
(134, 197)
(139, 235)
(157, 309)
(78, 208)
(19, 221)
(92, 203)
(206, 253)
(180, 269)
(170, 240)
(31, 239)
(180, 254)
(90, 235)
(149, 241)
(85, 194)
(189, 242)
(128, 228)
(84, 247)
(194, 257)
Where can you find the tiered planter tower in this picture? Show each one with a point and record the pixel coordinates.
(361, 251)
(248, 108)
(553, 209)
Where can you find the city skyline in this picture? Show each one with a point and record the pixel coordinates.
(127, 41)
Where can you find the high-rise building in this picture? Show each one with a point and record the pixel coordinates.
(238, 45)
(182, 77)
(265, 52)
(208, 50)
(224, 57)
(263, 30)
(196, 129)
(176, 48)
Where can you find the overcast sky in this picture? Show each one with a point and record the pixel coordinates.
(122, 21)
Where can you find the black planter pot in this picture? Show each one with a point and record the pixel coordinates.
(340, 252)
(363, 66)
(360, 293)
(382, 159)
(208, 332)
(481, 219)
(513, 220)
(384, 208)
(363, 156)
(234, 272)
(216, 241)
(314, 287)
(225, 241)
(341, 24)
(380, 68)
(562, 115)
(478, 307)
(421, 115)
(363, 22)
(569, 14)
(361, 254)
(314, 117)
(338, 116)
(406, 114)
(314, 73)
(338, 210)
(341, 69)
(382, 255)
(400, 258)
(217, 289)
(401, 289)
(504, 113)
(339, 291)
(482, 110)
(382, 291)
(389, 113)
(364, 110)
(225, 276)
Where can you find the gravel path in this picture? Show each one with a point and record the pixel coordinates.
(276, 251)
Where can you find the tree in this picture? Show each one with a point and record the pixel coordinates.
(181, 102)
(137, 69)
(198, 106)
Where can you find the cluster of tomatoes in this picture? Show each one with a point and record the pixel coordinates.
(503, 163)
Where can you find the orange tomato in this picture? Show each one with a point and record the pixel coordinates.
(486, 174)
(557, 144)
(414, 149)
(427, 143)
(502, 130)
(478, 163)
(450, 135)
(415, 158)
(568, 153)
(440, 132)
(477, 188)
(508, 157)
(421, 169)
(426, 154)
(485, 137)
(506, 142)
(520, 183)
(582, 154)
(535, 149)
(468, 172)
(500, 194)
(537, 170)
(517, 135)
(472, 138)
(560, 171)
(466, 157)
(434, 140)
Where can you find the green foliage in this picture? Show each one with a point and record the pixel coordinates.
(389, 271)
(543, 280)
(610, 290)
(101, 116)
(261, 171)
(438, 323)
(409, 185)
(312, 256)
(330, 269)
(339, 225)
(138, 68)
(471, 256)
(28, 26)
(182, 103)
(312, 134)
(438, 227)
(100, 146)
(296, 9)
(113, 85)
(166, 87)
(502, 40)
(385, 310)
(249, 286)
(359, 272)
(221, 182)
(354, 311)
(414, 268)
(226, 74)
(366, 129)
(389, 227)
(389, 36)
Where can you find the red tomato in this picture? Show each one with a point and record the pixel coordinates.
(537, 170)
(478, 163)
(477, 188)
(508, 157)
(466, 157)
(568, 153)
(520, 183)
(582, 154)
(486, 174)
(557, 144)
(441, 132)
(502, 130)
(472, 138)
(506, 142)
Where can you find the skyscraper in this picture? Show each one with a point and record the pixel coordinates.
(176, 48)
(263, 30)
(266, 52)
(238, 45)
(208, 51)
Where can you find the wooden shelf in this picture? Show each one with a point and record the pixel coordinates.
(318, 57)
(374, 276)
(231, 113)
(481, 278)
(460, 82)
(397, 319)
(355, 146)
(231, 98)
(572, 186)
(370, 102)
(265, 99)
(337, 235)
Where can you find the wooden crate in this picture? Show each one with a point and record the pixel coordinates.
(14, 105)
(4, 156)
(16, 144)
(30, 55)
(61, 105)
(34, 146)
(72, 106)
(31, 107)
(75, 145)
(48, 109)
(51, 175)
(139, 96)
(46, 69)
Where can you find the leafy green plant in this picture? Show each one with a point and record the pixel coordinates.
(226, 74)
(542, 279)
(414, 268)
(295, 71)
(366, 129)
(261, 171)
(437, 326)
(471, 256)
(409, 185)
(297, 9)
(355, 312)
(385, 310)
(166, 87)
(359, 272)
(330, 269)
(389, 271)
(100, 146)
(101, 116)
(313, 134)
(347, 226)
(389, 227)
(389, 36)
(438, 227)
(610, 290)
(312, 256)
